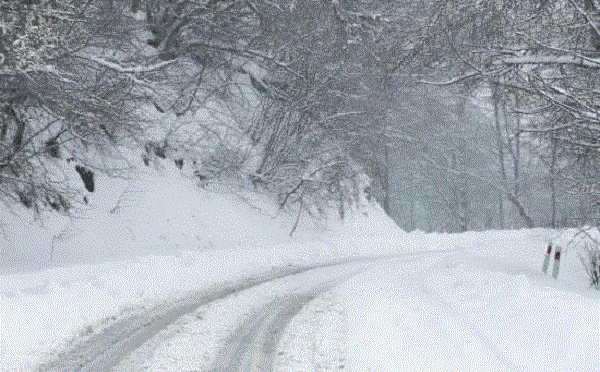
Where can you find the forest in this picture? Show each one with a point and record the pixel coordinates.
(464, 114)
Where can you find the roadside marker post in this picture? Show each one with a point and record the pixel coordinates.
(556, 262)
(547, 258)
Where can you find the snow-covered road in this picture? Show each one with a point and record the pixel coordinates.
(253, 346)
(242, 324)
(278, 296)
(239, 332)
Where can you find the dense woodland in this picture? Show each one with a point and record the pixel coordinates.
(465, 114)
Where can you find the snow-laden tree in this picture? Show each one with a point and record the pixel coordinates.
(64, 91)
(539, 61)
(313, 65)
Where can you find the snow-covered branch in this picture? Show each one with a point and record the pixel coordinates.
(457, 79)
(129, 70)
(560, 60)
(546, 130)
(587, 16)
(342, 114)
(583, 112)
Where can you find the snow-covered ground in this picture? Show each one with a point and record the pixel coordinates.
(472, 310)
(477, 302)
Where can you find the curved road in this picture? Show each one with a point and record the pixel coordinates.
(251, 346)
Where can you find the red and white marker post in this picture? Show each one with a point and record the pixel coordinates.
(546, 263)
(547, 258)
(556, 262)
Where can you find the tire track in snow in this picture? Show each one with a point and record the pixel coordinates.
(106, 349)
(316, 338)
(252, 347)
(102, 351)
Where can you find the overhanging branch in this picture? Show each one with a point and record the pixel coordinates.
(129, 70)
(457, 79)
(559, 60)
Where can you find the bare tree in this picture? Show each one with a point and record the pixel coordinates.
(58, 96)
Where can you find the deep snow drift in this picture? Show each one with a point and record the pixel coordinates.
(484, 305)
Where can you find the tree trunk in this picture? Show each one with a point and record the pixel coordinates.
(385, 187)
(513, 198)
(552, 182)
(521, 210)
(500, 146)
(501, 209)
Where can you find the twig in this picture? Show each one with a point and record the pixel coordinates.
(342, 114)
(590, 62)
(457, 79)
(128, 70)
(574, 59)
(282, 204)
(299, 212)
